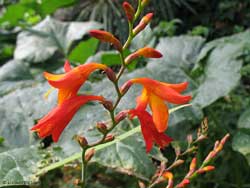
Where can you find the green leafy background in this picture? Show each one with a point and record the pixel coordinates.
(218, 75)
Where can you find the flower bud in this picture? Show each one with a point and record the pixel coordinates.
(201, 138)
(101, 127)
(121, 116)
(177, 163)
(105, 36)
(224, 139)
(143, 23)
(192, 166)
(177, 150)
(89, 154)
(81, 140)
(205, 169)
(108, 105)
(110, 74)
(169, 176)
(144, 3)
(109, 138)
(125, 87)
(189, 138)
(210, 156)
(184, 183)
(146, 52)
(129, 11)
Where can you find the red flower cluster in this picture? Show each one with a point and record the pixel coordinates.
(155, 93)
(69, 102)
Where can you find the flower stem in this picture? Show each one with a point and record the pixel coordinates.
(84, 168)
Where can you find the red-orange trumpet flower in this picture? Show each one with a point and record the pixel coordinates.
(155, 93)
(70, 82)
(149, 132)
(58, 118)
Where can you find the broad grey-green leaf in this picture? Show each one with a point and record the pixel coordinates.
(30, 105)
(244, 121)
(241, 143)
(48, 37)
(222, 66)
(14, 70)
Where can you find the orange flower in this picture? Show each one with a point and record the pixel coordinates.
(155, 93)
(70, 82)
(58, 118)
(149, 132)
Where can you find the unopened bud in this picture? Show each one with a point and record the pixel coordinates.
(189, 138)
(201, 138)
(177, 163)
(110, 74)
(105, 36)
(81, 140)
(125, 87)
(101, 127)
(210, 156)
(89, 154)
(177, 150)
(121, 116)
(218, 148)
(144, 3)
(129, 11)
(216, 144)
(224, 139)
(109, 138)
(146, 52)
(205, 169)
(184, 183)
(143, 23)
(192, 166)
(169, 176)
(108, 105)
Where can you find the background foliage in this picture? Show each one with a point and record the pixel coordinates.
(204, 42)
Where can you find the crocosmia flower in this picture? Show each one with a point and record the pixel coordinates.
(70, 82)
(57, 119)
(155, 94)
(149, 132)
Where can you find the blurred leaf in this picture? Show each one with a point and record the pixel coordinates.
(244, 121)
(49, 6)
(241, 143)
(48, 37)
(14, 70)
(111, 59)
(17, 12)
(84, 50)
(220, 63)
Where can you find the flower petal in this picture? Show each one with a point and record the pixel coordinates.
(142, 100)
(67, 66)
(177, 87)
(160, 112)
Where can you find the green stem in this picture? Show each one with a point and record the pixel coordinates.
(84, 168)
